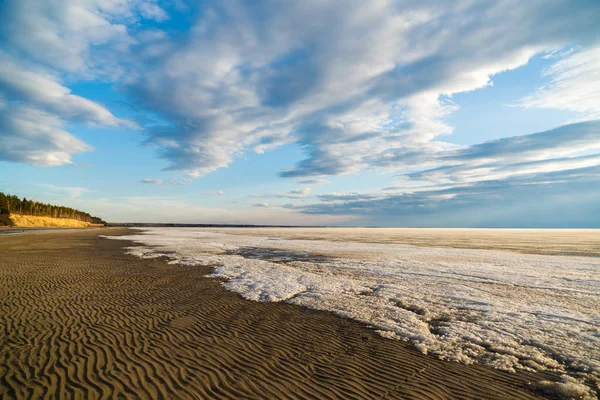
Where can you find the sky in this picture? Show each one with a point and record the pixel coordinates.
(471, 113)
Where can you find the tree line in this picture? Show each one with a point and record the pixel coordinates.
(11, 204)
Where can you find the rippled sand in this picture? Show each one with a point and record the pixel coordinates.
(81, 319)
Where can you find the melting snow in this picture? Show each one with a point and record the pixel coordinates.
(507, 310)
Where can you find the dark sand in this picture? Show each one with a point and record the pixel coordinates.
(81, 319)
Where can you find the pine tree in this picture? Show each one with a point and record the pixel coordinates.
(12, 204)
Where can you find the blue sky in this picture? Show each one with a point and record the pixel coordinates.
(385, 113)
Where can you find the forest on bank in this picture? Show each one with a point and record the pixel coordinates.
(10, 204)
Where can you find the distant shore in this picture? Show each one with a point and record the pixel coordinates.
(182, 225)
(7, 230)
(85, 319)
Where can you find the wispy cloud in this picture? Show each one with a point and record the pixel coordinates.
(346, 196)
(263, 205)
(168, 182)
(217, 193)
(490, 184)
(313, 182)
(554, 150)
(35, 109)
(152, 181)
(541, 200)
(84, 38)
(574, 85)
(29, 135)
(302, 193)
(70, 192)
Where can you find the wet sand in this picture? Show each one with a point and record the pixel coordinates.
(81, 319)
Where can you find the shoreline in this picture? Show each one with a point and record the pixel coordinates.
(12, 230)
(84, 318)
(552, 241)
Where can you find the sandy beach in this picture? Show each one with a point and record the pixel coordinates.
(82, 319)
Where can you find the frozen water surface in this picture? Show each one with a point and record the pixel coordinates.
(503, 309)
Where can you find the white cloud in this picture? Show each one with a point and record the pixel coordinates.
(264, 205)
(302, 192)
(468, 173)
(313, 182)
(83, 37)
(152, 181)
(360, 87)
(36, 108)
(71, 192)
(544, 179)
(152, 11)
(218, 193)
(544, 199)
(35, 113)
(566, 147)
(357, 87)
(32, 136)
(46, 92)
(574, 85)
(347, 196)
(169, 182)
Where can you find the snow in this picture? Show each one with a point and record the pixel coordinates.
(507, 310)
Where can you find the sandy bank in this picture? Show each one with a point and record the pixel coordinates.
(32, 221)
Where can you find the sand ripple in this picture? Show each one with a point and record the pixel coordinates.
(79, 319)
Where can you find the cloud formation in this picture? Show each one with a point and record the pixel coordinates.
(43, 42)
(313, 182)
(574, 85)
(358, 87)
(346, 196)
(152, 181)
(71, 192)
(302, 193)
(82, 37)
(545, 179)
(168, 182)
(543, 200)
(554, 150)
(35, 110)
(29, 135)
